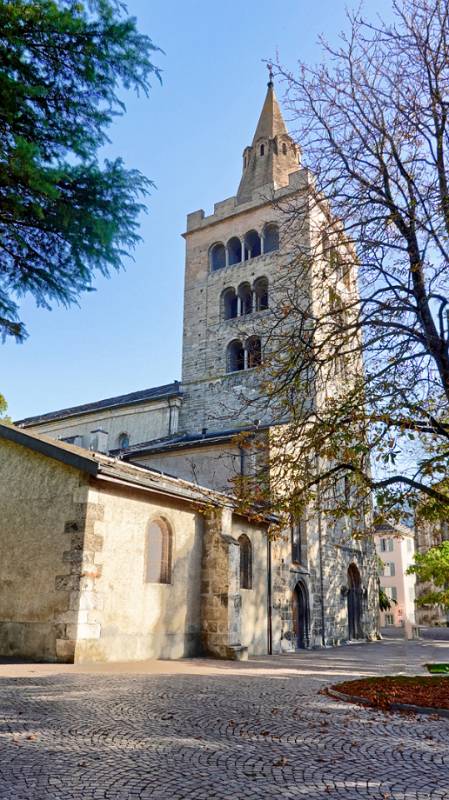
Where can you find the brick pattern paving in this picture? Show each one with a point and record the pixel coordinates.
(255, 732)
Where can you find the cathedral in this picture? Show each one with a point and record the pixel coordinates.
(133, 493)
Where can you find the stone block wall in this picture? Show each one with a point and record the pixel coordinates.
(220, 588)
(43, 517)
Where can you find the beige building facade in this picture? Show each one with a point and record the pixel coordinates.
(395, 546)
(320, 583)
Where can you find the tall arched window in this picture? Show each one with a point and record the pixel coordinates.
(270, 238)
(296, 541)
(229, 304)
(284, 149)
(262, 149)
(235, 356)
(246, 563)
(217, 256)
(158, 552)
(234, 250)
(254, 351)
(261, 294)
(246, 299)
(252, 245)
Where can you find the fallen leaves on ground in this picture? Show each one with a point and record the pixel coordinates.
(417, 690)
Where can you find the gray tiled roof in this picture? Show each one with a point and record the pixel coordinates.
(182, 440)
(156, 393)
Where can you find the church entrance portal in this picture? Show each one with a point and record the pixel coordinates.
(300, 603)
(354, 603)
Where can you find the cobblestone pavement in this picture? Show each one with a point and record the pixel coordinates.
(204, 730)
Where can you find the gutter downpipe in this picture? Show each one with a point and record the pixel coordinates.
(269, 596)
(320, 545)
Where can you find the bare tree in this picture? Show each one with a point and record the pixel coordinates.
(358, 353)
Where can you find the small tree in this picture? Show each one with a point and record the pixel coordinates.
(433, 567)
(64, 215)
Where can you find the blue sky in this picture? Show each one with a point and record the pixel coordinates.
(188, 138)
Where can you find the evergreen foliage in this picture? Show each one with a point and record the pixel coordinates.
(64, 215)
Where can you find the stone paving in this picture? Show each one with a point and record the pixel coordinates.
(198, 729)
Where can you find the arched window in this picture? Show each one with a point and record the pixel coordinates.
(296, 541)
(261, 294)
(235, 356)
(229, 304)
(246, 299)
(123, 440)
(252, 245)
(284, 149)
(262, 149)
(254, 350)
(246, 565)
(158, 552)
(217, 256)
(270, 238)
(234, 250)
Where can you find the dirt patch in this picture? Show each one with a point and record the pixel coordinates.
(381, 692)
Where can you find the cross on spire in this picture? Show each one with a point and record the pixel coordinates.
(270, 73)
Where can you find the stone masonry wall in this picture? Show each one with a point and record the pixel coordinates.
(220, 588)
(43, 511)
(212, 398)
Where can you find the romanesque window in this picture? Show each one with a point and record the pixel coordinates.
(347, 489)
(235, 356)
(246, 299)
(254, 351)
(284, 149)
(246, 566)
(229, 304)
(252, 245)
(234, 250)
(261, 294)
(123, 440)
(158, 552)
(295, 537)
(217, 256)
(262, 149)
(270, 238)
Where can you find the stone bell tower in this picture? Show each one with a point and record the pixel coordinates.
(232, 258)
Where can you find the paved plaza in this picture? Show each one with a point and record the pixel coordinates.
(203, 729)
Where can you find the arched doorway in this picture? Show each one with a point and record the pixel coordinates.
(354, 603)
(300, 605)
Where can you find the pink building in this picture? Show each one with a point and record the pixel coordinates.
(395, 547)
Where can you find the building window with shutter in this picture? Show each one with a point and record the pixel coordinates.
(159, 546)
(392, 593)
(246, 566)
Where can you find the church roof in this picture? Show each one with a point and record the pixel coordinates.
(179, 441)
(133, 398)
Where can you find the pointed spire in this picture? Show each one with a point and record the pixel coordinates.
(273, 155)
(271, 122)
